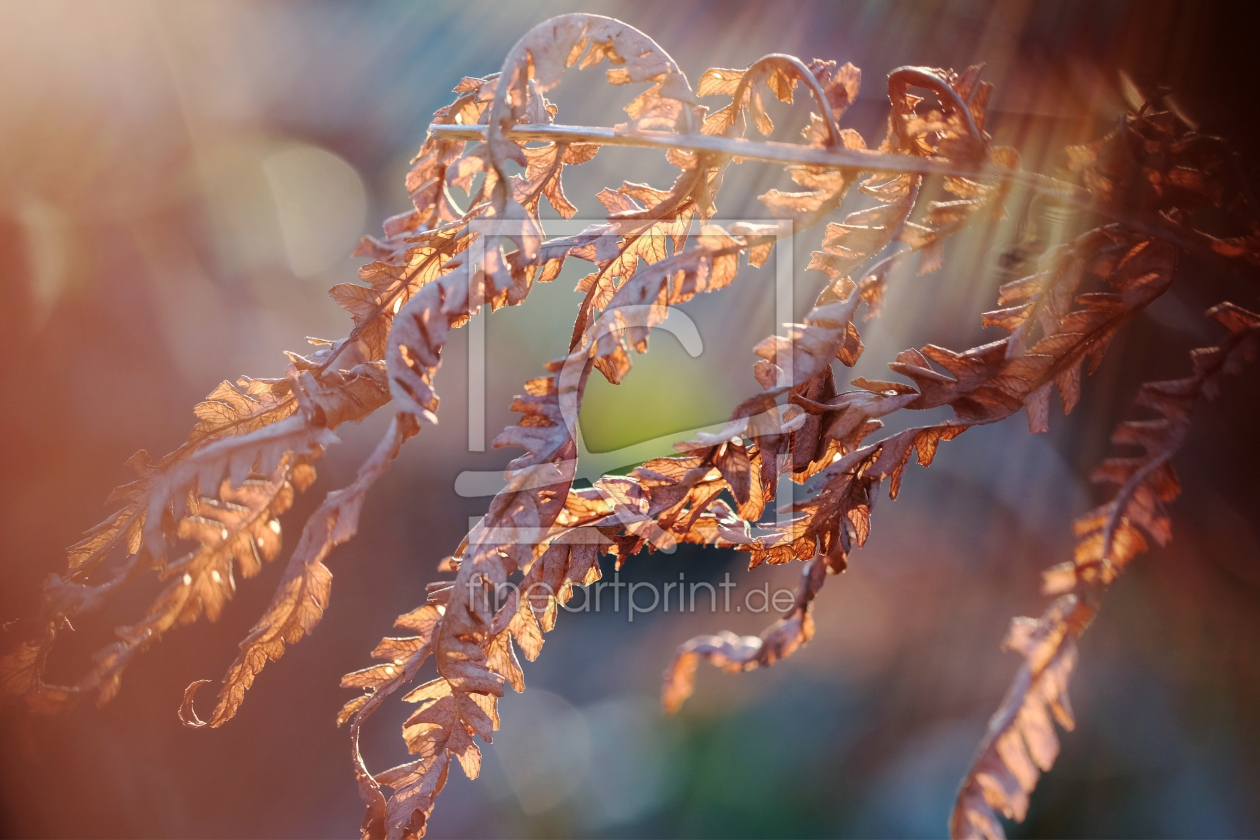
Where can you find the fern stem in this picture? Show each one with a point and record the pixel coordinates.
(770, 151)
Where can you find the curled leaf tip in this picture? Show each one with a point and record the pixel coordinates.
(187, 714)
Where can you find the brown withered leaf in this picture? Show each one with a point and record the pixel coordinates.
(302, 594)
(239, 409)
(1109, 536)
(242, 525)
(229, 410)
(734, 654)
(862, 235)
(124, 528)
(22, 675)
(390, 285)
(326, 401)
(1021, 742)
(543, 176)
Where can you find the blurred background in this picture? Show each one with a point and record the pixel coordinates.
(180, 183)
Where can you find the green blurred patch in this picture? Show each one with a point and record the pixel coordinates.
(666, 392)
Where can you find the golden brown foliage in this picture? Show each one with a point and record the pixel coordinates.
(252, 448)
